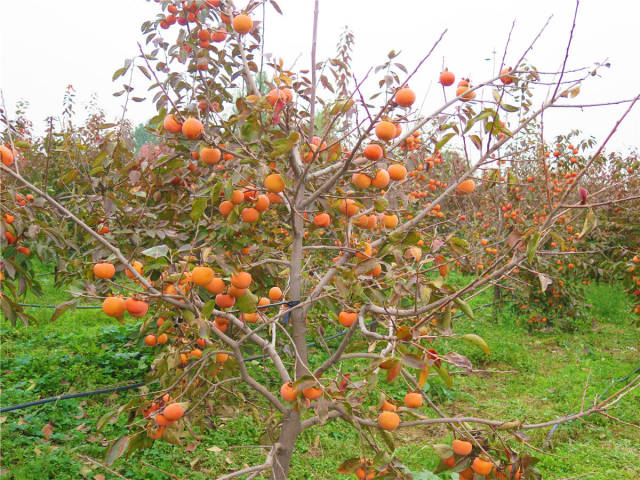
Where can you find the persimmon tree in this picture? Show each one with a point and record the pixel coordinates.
(285, 208)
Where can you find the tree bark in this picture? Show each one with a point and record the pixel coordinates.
(288, 435)
(295, 288)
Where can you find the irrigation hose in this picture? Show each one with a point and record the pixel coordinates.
(142, 384)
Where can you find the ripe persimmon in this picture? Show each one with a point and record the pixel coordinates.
(136, 308)
(210, 156)
(104, 270)
(274, 183)
(241, 279)
(237, 197)
(397, 171)
(322, 220)
(242, 23)
(275, 294)
(283, 94)
(201, 276)
(465, 92)
(387, 406)
(481, 467)
(390, 221)
(222, 357)
(288, 392)
(161, 420)
(173, 411)
(466, 186)
(461, 447)
(250, 215)
(361, 180)
(312, 393)
(171, 125)
(413, 400)
(6, 155)
(162, 339)
(347, 319)
(373, 151)
(192, 128)
(250, 317)
(219, 35)
(389, 421)
(225, 208)
(150, 340)
(348, 207)
(113, 306)
(381, 179)
(447, 78)
(236, 292)
(405, 97)
(137, 266)
(262, 203)
(224, 300)
(274, 198)
(385, 131)
(505, 77)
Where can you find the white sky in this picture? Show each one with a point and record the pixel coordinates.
(50, 44)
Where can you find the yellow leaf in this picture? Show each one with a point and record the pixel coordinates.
(424, 376)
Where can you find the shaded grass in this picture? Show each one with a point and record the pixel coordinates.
(84, 350)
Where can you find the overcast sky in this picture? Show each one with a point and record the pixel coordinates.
(52, 44)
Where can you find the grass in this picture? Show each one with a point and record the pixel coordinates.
(85, 350)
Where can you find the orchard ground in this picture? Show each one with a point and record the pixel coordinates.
(86, 350)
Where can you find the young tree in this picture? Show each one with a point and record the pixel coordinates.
(266, 222)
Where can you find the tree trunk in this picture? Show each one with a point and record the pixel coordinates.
(286, 442)
(291, 421)
(295, 289)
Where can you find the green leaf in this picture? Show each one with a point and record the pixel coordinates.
(476, 340)
(388, 439)
(464, 306)
(559, 240)
(304, 382)
(381, 459)
(414, 361)
(444, 320)
(590, 221)
(366, 266)
(106, 418)
(117, 449)
(118, 73)
(444, 140)
(208, 308)
(342, 106)
(444, 375)
(63, 307)
(349, 467)
(197, 208)
(156, 252)
(532, 246)
(139, 441)
(247, 303)
(380, 204)
(250, 129)
(477, 141)
(443, 450)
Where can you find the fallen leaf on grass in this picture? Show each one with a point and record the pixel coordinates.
(47, 430)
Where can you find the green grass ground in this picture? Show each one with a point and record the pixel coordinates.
(84, 350)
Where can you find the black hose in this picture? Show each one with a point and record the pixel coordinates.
(141, 384)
